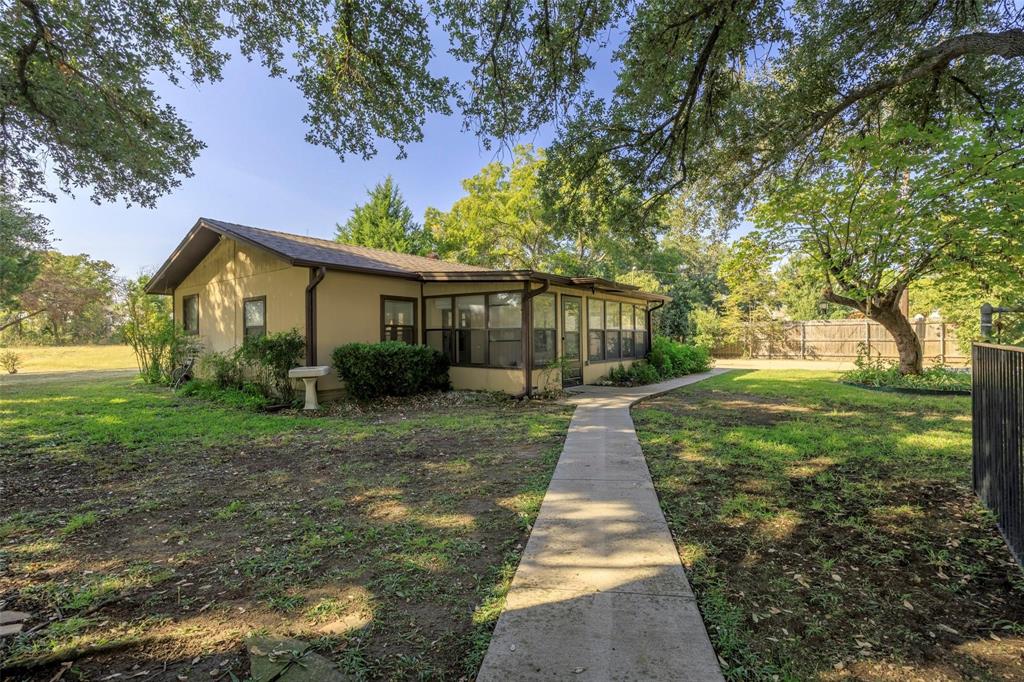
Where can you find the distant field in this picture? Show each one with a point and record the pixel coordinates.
(73, 358)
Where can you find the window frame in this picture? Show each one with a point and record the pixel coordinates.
(184, 314)
(553, 329)
(639, 311)
(640, 314)
(487, 329)
(591, 358)
(245, 329)
(415, 318)
(613, 332)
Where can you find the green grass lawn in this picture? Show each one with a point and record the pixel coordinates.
(830, 532)
(146, 531)
(73, 358)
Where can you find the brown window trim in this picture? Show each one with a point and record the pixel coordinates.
(415, 316)
(265, 315)
(184, 317)
(486, 327)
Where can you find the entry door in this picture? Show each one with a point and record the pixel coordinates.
(572, 368)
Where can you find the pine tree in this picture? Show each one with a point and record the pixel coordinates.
(385, 222)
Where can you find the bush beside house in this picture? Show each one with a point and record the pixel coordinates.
(666, 360)
(254, 375)
(390, 368)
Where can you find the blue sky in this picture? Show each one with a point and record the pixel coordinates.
(258, 170)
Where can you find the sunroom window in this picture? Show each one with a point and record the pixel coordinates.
(612, 321)
(595, 330)
(505, 329)
(544, 330)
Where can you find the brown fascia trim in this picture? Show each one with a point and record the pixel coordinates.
(316, 275)
(527, 332)
(174, 254)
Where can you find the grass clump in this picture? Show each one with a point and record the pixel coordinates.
(79, 522)
(248, 397)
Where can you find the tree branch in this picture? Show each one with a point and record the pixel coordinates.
(1008, 44)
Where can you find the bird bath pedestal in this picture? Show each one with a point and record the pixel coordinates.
(309, 375)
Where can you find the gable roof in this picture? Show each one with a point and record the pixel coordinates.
(296, 250)
(313, 252)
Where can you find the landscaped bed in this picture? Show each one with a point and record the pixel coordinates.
(161, 530)
(831, 533)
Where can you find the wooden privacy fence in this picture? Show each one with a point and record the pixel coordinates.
(998, 409)
(839, 340)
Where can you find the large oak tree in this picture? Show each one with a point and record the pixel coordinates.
(907, 203)
(724, 91)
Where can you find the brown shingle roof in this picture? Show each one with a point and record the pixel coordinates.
(313, 252)
(310, 250)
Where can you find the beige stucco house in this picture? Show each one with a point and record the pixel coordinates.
(501, 329)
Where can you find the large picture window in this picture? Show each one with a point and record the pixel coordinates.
(398, 319)
(190, 314)
(545, 330)
(595, 330)
(482, 330)
(254, 317)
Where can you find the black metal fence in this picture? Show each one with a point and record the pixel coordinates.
(998, 406)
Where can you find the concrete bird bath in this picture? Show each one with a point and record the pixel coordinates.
(309, 375)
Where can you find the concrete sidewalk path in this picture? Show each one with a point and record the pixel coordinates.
(600, 593)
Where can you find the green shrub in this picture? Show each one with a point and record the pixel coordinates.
(372, 370)
(269, 357)
(10, 361)
(886, 373)
(161, 348)
(224, 369)
(619, 375)
(639, 373)
(673, 359)
(247, 396)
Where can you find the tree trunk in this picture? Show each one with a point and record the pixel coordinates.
(907, 343)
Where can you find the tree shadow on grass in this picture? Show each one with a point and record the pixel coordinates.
(824, 541)
(377, 550)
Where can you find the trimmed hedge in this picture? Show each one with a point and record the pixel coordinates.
(372, 370)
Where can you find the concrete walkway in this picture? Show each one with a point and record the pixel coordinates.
(600, 593)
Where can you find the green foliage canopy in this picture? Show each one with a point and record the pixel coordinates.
(719, 93)
(23, 238)
(904, 204)
(385, 222)
(73, 295)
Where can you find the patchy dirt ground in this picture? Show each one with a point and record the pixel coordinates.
(831, 533)
(148, 535)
